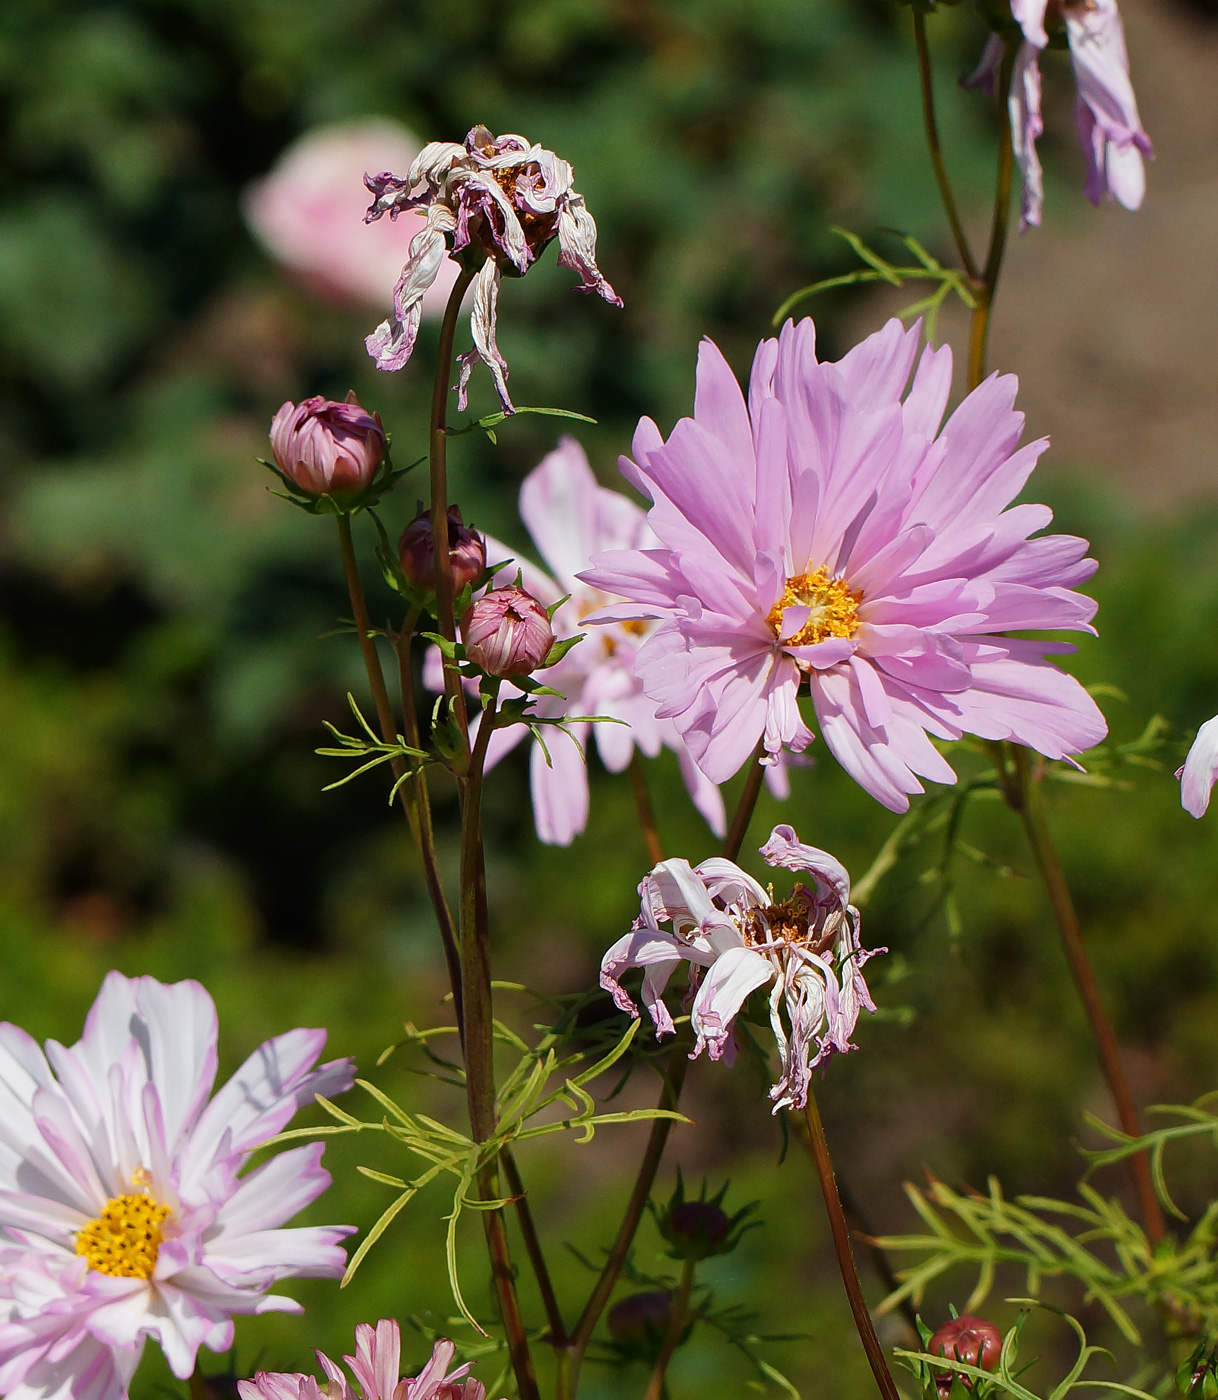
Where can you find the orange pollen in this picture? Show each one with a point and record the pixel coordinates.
(833, 608)
(125, 1238)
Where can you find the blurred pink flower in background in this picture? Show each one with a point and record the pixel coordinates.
(376, 1367)
(836, 532)
(308, 212)
(737, 938)
(1200, 770)
(1105, 110)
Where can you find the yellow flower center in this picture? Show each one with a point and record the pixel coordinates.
(124, 1239)
(833, 608)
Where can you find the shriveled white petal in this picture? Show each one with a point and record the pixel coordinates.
(482, 329)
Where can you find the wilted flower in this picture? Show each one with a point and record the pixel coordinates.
(493, 203)
(376, 1367)
(122, 1206)
(1200, 770)
(307, 211)
(325, 448)
(466, 551)
(571, 517)
(972, 1340)
(737, 938)
(507, 632)
(1105, 110)
(829, 532)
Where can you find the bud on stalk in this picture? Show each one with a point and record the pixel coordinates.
(972, 1340)
(507, 633)
(466, 552)
(326, 448)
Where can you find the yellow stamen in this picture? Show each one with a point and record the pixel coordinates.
(834, 609)
(124, 1239)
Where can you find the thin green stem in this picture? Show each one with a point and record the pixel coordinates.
(417, 801)
(677, 1323)
(979, 328)
(931, 123)
(845, 1259)
(197, 1385)
(748, 801)
(642, 803)
(438, 464)
(1023, 793)
(532, 1247)
(479, 1044)
(657, 1140)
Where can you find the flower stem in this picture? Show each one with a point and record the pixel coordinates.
(672, 1338)
(930, 121)
(479, 1045)
(979, 328)
(841, 1245)
(642, 802)
(1023, 793)
(197, 1385)
(417, 801)
(748, 801)
(438, 465)
(674, 1080)
(532, 1247)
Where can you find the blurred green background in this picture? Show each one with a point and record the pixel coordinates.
(164, 673)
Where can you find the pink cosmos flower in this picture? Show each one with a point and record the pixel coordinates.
(570, 517)
(308, 212)
(494, 204)
(736, 938)
(1200, 770)
(376, 1367)
(123, 1209)
(1105, 110)
(830, 532)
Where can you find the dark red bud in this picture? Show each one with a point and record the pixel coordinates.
(466, 551)
(699, 1220)
(972, 1340)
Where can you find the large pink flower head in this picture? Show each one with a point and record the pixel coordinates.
(494, 203)
(833, 532)
(376, 1367)
(1105, 110)
(737, 937)
(570, 518)
(123, 1210)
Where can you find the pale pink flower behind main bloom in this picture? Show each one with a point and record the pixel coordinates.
(123, 1210)
(830, 533)
(1200, 770)
(737, 938)
(570, 517)
(1105, 110)
(376, 1367)
(308, 212)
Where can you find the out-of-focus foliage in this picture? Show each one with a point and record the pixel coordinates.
(163, 685)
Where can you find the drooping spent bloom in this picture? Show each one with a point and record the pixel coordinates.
(570, 517)
(507, 632)
(124, 1212)
(494, 204)
(326, 448)
(736, 938)
(833, 532)
(1200, 770)
(1105, 109)
(307, 212)
(376, 1367)
(466, 551)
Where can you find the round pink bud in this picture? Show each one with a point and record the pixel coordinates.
(326, 448)
(507, 633)
(972, 1340)
(466, 551)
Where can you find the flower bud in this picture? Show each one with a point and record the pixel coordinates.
(701, 1224)
(507, 633)
(639, 1323)
(466, 552)
(326, 448)
(972, 1340)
